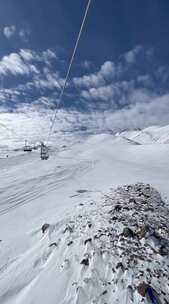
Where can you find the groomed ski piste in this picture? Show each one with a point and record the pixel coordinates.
(90, 224)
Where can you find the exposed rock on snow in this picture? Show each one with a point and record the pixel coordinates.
(45, 227)
(85, 262)
(141, 288)
(127, 232)
(53, 245)
(102, 254)
(125, 260)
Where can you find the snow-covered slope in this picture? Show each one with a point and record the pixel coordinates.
(149, 135)
(70, 191)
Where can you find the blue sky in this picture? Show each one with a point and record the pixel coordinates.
(122, 64)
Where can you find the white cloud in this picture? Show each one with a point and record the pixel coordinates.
(104, 93)
(14, 65)
(141, 95)
(45, 80)
(9, 31)
(113, 83)
(43, 102)
(26, 62)
(27, 54)
(45, 56)
(107, 71)
(126, 102)
(131, 56)
(48, 80)
(126, 86)
(117, 95)
(141, 115)
(22, 63)
(9, 94)
(138, 115)
(88, 81)
(110, 71)
(24, 34)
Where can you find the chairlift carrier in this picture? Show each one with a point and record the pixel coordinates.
(44, 154)
(27, 148)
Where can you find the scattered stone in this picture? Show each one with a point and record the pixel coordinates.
(87, 241)
(127, 232)
(101, 234)
(68, 228)
(89, 225)
(156, 236)
(96, 237)
(141, 288)
(45, 227)
(82, 191)
(85, 262)
(104, 292)
(70, 243)
(53, 245)
(114, 218)
(117, 208)
(142, 232)
(129, 287)
(163, 251)
(149, 209)
(132, 200)
(120, 265)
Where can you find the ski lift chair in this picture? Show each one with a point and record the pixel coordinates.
(27, 148)
(44, 154)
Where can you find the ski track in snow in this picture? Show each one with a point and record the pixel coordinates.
(22, 193)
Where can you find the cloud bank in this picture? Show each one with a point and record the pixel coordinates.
(119, 94)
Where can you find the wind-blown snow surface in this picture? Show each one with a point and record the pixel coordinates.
(66, 190)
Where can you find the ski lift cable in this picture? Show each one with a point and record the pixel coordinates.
(69, 67)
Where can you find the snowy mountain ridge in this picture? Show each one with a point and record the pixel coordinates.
(150, 135)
